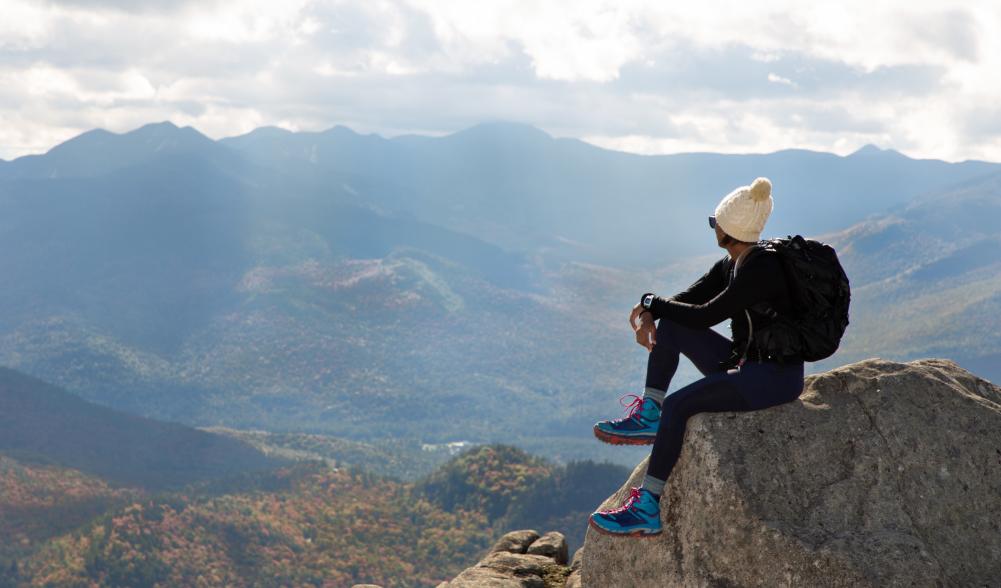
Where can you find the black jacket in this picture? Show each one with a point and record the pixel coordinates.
(717, 295)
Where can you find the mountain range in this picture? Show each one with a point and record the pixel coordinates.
(472, 287)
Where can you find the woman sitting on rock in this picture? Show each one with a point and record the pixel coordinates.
(738, 375)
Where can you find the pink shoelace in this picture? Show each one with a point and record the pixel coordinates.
(634, 495)
(634, 406)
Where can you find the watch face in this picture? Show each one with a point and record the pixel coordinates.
(647, 300)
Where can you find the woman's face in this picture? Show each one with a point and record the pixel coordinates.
(720, 235)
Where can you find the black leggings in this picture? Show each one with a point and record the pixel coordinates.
(753, 387)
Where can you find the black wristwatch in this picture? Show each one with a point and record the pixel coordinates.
(647, 300)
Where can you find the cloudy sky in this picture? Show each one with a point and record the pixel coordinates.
(649, 77)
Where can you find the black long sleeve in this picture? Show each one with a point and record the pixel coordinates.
(759, 279)
(705, 288)
(708, 286)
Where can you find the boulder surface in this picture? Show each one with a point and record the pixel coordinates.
(880, 474)
(519, 559)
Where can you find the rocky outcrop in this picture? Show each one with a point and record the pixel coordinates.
(881, 474)
(574, 579)
(520, 559)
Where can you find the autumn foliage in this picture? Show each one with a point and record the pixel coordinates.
(302, 525)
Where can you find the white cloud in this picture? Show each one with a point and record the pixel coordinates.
(772, 77)
(639, 75)
(584, 40)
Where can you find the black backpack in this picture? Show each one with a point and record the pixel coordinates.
(820, 296)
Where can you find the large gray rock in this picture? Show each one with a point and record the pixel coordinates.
(881, 474)
(515, 541)
(574, 579)
(519, 559)
(553, 544)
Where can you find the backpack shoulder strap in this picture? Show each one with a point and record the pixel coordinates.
(764, 247)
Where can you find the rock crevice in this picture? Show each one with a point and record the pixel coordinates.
(925, 551)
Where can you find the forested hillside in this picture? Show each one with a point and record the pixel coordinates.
(305, 524)
(44, 424)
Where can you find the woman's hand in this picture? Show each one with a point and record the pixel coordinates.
(635, 315)
(646, 331)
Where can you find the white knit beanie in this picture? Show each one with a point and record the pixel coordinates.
(742, 213)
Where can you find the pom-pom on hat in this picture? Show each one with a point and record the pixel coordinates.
(742, 213)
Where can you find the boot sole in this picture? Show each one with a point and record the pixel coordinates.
(636, 534)
(616, 440)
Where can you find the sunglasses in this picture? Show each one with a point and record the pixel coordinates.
(712, 222)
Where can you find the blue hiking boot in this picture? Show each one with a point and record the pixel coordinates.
(639, 427)
(638, 517)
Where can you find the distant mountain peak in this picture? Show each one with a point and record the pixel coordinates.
(99, 151)
(868, 149)
(167, 129)
(162, 125)
(341, 130)
(269, 131)
(504, 128)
